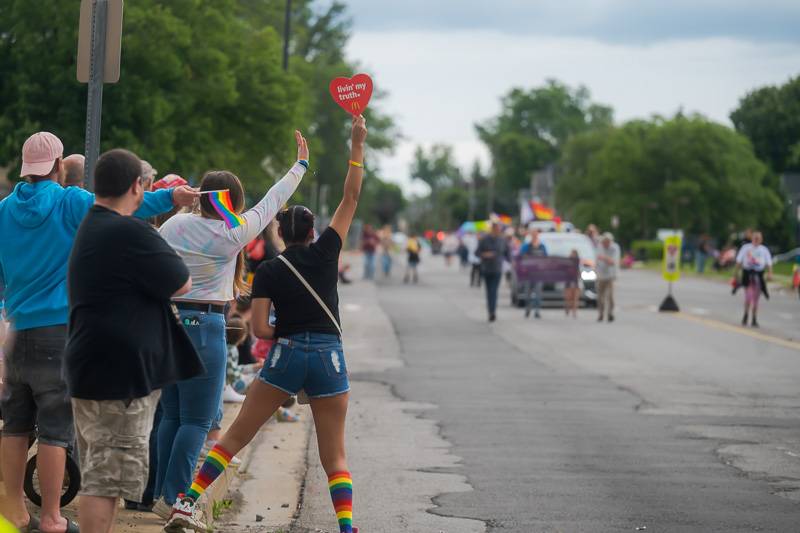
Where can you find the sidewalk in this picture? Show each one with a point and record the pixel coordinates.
(399, 461)
(271, 474)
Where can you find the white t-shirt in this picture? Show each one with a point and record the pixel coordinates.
(209, 248)
(754, 257)
(470, 240)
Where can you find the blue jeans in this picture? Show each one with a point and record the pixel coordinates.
(700, 262)
(310, 361)
(369, 265)
(534, 291)
(191, 406)
(386, 261)
(492, 286)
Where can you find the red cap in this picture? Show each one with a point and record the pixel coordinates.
(169, 181)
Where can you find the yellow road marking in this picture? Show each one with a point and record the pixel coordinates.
(710, 322)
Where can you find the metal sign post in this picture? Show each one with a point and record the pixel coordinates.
(99, 50)
(94, 102)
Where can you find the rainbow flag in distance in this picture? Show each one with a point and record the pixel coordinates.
(221, 202)
(542, 212)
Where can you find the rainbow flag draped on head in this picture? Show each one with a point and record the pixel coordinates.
(221, 202)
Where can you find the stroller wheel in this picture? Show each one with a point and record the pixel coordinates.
(72, 481)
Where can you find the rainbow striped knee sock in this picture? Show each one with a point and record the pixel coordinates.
(214, 465)
(341, 486)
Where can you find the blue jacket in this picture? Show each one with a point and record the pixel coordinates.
(38, 222)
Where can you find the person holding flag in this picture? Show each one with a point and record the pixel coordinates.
(211, 244)
(301, 286)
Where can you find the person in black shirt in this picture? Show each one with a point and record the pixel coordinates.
(124, 342)
(307, 354)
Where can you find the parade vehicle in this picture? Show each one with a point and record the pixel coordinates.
(549, 226)
(553, 272)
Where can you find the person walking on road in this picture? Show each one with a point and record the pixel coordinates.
(572, 292)
(122, 275)
(493, 251)
(301, 285)
(608, 257)
(753, 259)
(369, 245)
(212, 248)
(39, 220)
(533, 247)
(413, 251)
(387, 247)
(471, 244)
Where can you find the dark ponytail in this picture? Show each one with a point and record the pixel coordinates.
(296, 223)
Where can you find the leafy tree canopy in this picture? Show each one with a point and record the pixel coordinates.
(770, 118)
(202, 86)
(533, 127)
(685, 172)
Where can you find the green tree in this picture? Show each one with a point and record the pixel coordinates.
(436, 167)
(448, 203)
(202, 86)
(770, 118)
(318, 45)
(686, 172)
(383, 201)
(532, 129)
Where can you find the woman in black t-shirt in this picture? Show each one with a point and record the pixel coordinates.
(307, 354)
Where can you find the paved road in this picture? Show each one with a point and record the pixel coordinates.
(673, 423)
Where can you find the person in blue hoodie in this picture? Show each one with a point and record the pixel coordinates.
(38, 223)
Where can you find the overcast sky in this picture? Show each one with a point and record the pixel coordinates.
(446, 63)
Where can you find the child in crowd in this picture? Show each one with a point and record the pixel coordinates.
(413, 250)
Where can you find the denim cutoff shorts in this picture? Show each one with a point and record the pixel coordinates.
(310, 361)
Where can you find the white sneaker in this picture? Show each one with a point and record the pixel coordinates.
(162, 509)
(185, 515)
(231, 396)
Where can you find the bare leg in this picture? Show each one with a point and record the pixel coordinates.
(50, 462)
(329, 418)
(13, 454)
(261, 403)
(96, 514)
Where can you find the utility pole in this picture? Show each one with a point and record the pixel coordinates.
(287, 27)
(472, 199)
(490, 197)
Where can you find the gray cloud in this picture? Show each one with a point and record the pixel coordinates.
(614, 21)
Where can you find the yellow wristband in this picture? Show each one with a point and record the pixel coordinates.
(356, 164)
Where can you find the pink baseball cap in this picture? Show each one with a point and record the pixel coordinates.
(39, 153)
(169, 181)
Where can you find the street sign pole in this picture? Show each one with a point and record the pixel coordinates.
(671, 270)
(94, 103)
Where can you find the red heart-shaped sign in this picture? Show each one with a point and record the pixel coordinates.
(352, 94)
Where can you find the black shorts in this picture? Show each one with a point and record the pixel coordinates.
(35, 394)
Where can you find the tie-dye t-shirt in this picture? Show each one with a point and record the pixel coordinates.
(209, 248)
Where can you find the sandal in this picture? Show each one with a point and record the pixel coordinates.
(33, 526)
(285, 415)
(72, 527)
